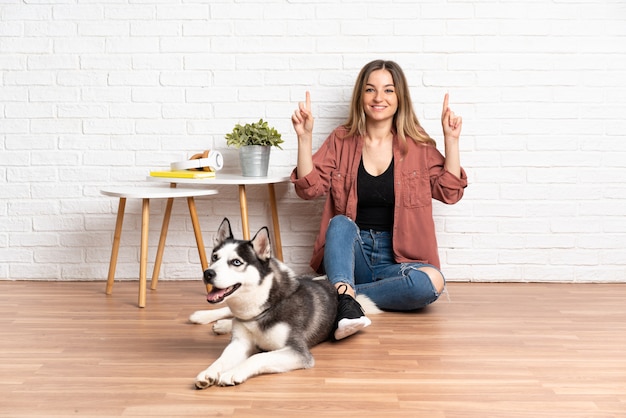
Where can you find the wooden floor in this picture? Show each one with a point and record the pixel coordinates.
(492, 350)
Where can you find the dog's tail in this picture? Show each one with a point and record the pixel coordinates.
(368, 305)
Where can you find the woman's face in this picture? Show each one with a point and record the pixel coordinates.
(379, 98)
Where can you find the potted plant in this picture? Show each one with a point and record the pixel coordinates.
(254, 141)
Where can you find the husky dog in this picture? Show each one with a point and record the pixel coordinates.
(276, 316)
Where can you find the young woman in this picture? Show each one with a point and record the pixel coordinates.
(380, 171)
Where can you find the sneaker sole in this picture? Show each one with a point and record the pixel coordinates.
(347, 327)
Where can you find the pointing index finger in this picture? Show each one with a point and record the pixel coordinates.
(308, 100)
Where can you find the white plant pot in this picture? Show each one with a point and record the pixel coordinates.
(254, 160)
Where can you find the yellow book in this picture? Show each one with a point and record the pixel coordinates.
(183, 174)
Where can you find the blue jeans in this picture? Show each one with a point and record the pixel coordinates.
(364, 260)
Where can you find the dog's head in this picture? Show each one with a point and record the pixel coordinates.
(236, 264)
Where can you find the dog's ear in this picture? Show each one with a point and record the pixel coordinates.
(223, 232)
(261, 244)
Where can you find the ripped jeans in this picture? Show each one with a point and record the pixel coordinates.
(364, 259)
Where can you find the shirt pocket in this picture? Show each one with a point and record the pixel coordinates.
(416, 189)
(339, 190)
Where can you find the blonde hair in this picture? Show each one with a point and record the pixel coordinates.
(404, 121)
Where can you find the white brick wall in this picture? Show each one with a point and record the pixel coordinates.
(94, 94)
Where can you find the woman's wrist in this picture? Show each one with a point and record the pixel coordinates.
(305, 139)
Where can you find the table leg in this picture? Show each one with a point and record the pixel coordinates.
(277, 242)
(161, 248)
(243, 205)
(197, 232)
(116, 245)
(145, 222)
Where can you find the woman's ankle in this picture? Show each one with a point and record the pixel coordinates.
(345, 289)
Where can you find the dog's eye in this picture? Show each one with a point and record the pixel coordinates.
(214, 257)
(236, 262)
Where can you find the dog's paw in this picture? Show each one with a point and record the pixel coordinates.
(206, 379)
(202, 384)
(209, 315)
(223, 326)
(230, 378)
(201, 317)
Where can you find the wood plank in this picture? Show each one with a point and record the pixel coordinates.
(492, 350)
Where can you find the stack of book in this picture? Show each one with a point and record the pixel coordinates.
(183, 174)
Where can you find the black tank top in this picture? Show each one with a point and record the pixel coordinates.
(375, 199)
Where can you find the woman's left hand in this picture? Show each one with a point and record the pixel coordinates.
(451, 123)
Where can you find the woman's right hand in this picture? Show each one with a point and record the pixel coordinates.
(302, 119)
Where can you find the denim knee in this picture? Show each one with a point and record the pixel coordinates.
(423, 290)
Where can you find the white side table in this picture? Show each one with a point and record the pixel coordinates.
(241, 182)
(146, 193)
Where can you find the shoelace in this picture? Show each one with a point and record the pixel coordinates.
(343, 287)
